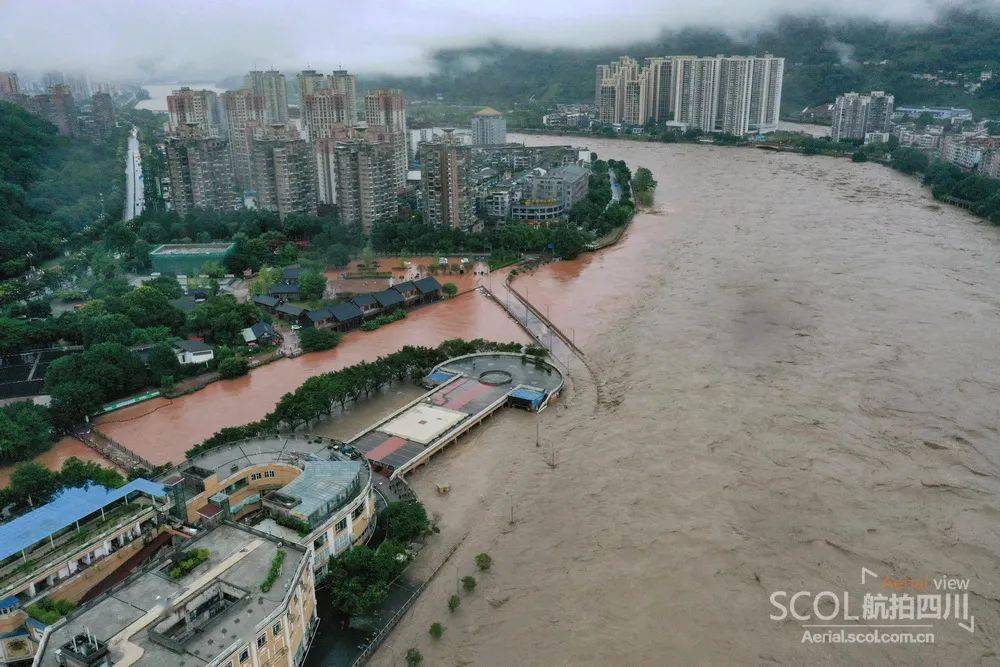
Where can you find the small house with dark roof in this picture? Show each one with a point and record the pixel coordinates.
(346, 315)
(319, 319)
(369, 305)
(389, 299)
(193, 352)
(408, 291)
(429, 288)
(290, 274)
(268, 303)
(287, 311)
(260, 333)
(186, 304)
(284, 291)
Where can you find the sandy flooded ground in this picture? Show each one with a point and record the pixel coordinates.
(54, 457)
(161, 430)
(799, 381)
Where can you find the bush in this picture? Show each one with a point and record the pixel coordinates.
(316, 340)
(453, 603)
(414, 657)
(190, 559)
(436, 630)
(233, 367)
(50, 611)
(272, 574)
(303, 528)
(450, 289)
(469, 583)
(483, 561)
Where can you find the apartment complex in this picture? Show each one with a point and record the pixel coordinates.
(8, 85)
(731, 94)
(855, 115)
(199, 108)
(201, 172)
(244, 113)
(489, 127)
(367, 180)
(446, 183)
(385, 111)
(283, 171)
(271, 87)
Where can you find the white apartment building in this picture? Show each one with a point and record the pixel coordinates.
(855, 114)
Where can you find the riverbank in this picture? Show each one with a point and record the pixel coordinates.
(800, 382)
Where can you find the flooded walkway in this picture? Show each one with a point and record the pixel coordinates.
(161, 430)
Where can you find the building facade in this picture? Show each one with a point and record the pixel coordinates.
(199, 108)
(489, 127)
(8, 85)
(446, 183)
(201, 171)
(283, 171)
(855, 114)
(385, 111)
(366, 181)
(731, 94)
(244, 113)
(271, 87)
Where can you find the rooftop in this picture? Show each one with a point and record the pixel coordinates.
(488, 111)
(322, 487)
(68, 507)
(141, 617)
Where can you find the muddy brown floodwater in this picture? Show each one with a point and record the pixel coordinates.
(54, 457)
(799, 374)
(162, 429)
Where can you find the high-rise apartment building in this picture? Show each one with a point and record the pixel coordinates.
(385, 111)
(446, 183)
(366, 180)
(327, 112)
(488, 127)
(194, 107)
(344, 82)
(326, 163)
(244, 112)
(62, 109)
(855, 114)
(283, 170)
(201, 172)
(102, 116)
(310, 81)
(8, 85)
(732, 94)
(270, 85)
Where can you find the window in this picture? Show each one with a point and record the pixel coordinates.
(358, 510)
(268, 473)
(276, 629)
(261, 640)
(244, 655)
(255, 476)
(342, 524)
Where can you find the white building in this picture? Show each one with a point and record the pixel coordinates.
(855, 114)
(489, 127)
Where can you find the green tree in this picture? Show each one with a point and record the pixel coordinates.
(484, 561)
(469, 583)
(33, 483)
(312, 284)
(405, 521)
(436, 630)
(25, 431)
(233, 367)
(453, 602)
(315, 340)
(450, 289)
(72, 401)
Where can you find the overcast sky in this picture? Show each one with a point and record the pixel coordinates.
(202, 40)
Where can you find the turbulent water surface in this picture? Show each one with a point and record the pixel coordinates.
(798, 370)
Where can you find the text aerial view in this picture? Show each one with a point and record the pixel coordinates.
(658, 333)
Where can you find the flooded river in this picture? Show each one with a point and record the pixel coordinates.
(162, 429)
(798, 376)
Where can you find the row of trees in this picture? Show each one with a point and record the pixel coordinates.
(318, 395)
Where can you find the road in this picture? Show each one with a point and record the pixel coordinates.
(134, 190)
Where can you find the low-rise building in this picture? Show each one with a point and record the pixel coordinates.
(193, 352)
(251, 602)
(188, 259)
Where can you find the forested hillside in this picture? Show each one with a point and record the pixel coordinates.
(824, 58)
(51, 188)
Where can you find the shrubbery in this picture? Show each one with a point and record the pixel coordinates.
(190, 559)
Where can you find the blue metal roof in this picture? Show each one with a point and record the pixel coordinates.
(440, 376)
(68, 507)
(533, 396)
